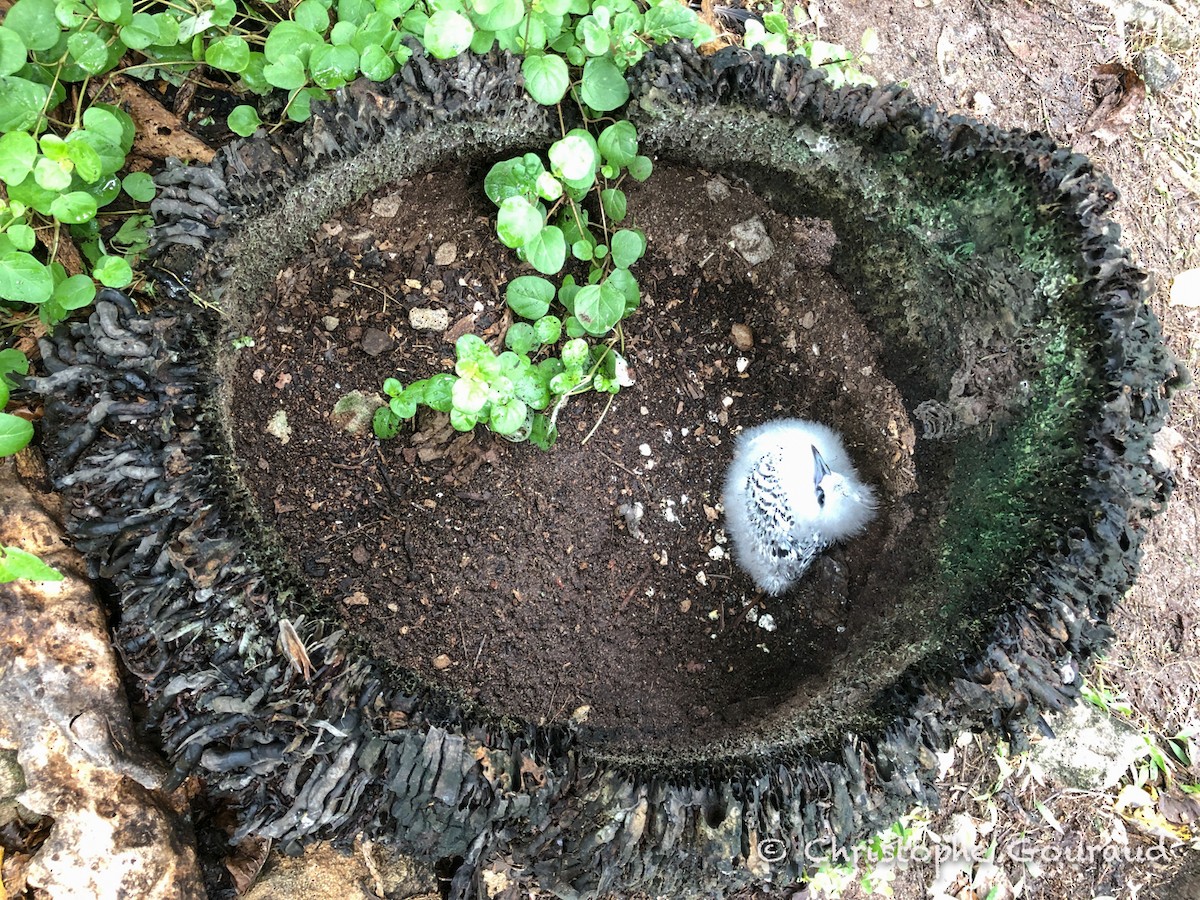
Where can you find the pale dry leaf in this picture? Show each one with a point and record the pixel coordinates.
(1185, 289)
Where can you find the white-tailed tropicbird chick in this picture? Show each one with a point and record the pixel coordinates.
(791, 491)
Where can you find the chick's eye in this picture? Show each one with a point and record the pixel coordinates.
(820, 496)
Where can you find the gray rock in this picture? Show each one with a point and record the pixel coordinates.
(750, 239)
(1090, 750)
(375, 342)
(424, 319)
(1157, 69)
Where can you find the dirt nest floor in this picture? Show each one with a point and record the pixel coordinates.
(521, 577)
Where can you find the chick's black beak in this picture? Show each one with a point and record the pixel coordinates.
(820, 470)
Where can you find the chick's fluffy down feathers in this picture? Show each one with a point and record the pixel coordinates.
(790, 492)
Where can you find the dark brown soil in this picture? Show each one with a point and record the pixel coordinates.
(507, 572)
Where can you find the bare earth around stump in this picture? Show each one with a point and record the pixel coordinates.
(506, 572)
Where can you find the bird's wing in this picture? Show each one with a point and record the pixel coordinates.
(772, 522)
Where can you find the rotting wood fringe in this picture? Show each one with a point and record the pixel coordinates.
(133, 443)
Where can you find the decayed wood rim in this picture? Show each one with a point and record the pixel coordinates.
(135, 438)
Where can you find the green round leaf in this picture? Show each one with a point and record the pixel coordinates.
(548, 329)
(405, 405)
(112, 124)
(529, 296)
(231, 53)
(623, 280)
(15, 433)
(140, 33)
(51, 175)
(23, 238)
(575, 352)
(333, 67)
(546, 77)
(87, 162)
(469, 396)
(75, 292)
(74, 208)
(105, 191)
(618, 143)
(447, 34)
(385, 424)
(573, 158)
(18, 151)
(640, 168)
(300, 107)
(12, 51)
(24, 279)
(615, 204)
(376, 64)
(627, 248)
(547, 251)
(17, 563)
(286, 73)
(139, 186)
(244, 120)
(342, 33)
(111, 157)
(113, 272)
(509, 417)
(89, 51)
(252, 78)
(594, 36)
(119, 12)
(168, 29)
(462, 421)
(31, 194)
(35, 22)
(549, 187)
(603, 87)
(496, 15)
(21, 101)
(312, 15)
(518, 222)
(520, 337)
(290, 39)
(513, 178)
(670, 20)
(439, 392)
(599, 308)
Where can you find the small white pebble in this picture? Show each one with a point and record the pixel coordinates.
(701, 577)
(841, 628)
(644, 411)
(662, 559)
(752, 615)
(727, 402)
(742, 364)
(716, 553)
(764, 648)
(478, 307)
(649, 464)
(720, 536)
(714, 615)
(816, 350)
(685, 431)
(766, 622)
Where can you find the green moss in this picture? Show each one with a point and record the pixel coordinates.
(1009, 496)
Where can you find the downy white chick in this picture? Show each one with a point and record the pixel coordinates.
(790, 492)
